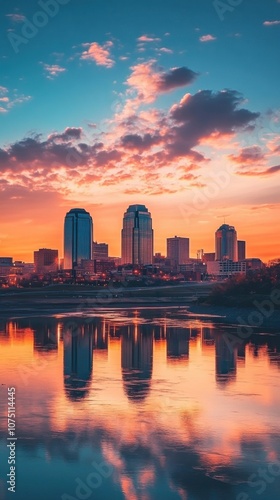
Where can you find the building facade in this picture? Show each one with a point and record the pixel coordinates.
(241, 250)
(226, 243)
(225, 268)
(100, 251)
(137, 236)
(46, 260)
(178, 250)
(78, 237)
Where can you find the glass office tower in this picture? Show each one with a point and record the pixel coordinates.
(78, 237)
(226, 243)
(137, 236)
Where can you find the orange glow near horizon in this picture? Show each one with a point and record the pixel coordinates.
(43, 227)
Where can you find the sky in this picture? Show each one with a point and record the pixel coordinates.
(171, 104)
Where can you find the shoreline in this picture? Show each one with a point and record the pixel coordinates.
(220, 314)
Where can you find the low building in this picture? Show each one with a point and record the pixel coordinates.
(208, 257)
(100, 251)
(226, 268)
(46, 260)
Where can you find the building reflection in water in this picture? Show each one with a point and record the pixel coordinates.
(207, 336)
(177, 341)
(137, 361)
(226, 357)
(78, 355)
(100, 334)
(273, 350)
(45, 336)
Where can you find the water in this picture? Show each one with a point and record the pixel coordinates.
(138, 406)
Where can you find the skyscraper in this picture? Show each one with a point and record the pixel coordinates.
(241, 250)
(226, 243)
(178, 250)
(137, 236)
(78, 237)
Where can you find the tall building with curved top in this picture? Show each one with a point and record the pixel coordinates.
(78, 237)
(137, 236)
(226, 243)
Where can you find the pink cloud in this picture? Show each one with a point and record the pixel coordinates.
(249, 155)
(207, 38)
(271, 23)
(53, 70)
(99, 53)
(149, 81)
(145, 38)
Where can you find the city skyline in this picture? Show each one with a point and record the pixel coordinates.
(181, 111)
(137, 241)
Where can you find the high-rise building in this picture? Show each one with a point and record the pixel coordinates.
(100, 251)
(178, 250)
(78, 237)
(241, 250)
(226, 243)
(46, 260)
(137, 236)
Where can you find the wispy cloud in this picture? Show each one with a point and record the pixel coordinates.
(53, 70)
(16, 18)
(256, 173)
(165, 50)
(3, 90)
(271, 23)
(207, 38)
(148, 39)
(100, 54)
(10, 98)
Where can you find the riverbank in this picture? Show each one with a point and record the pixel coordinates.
(187, 306)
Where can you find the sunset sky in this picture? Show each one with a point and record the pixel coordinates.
(171, 104)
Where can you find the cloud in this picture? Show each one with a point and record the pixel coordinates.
(69, 134)
(176, 77)
(9, 99)
(53, 70)
(165, 50)
(149, 81)
(16, 18)
(207, 38)
(271, 23)
(253, 173)
(204, 114)
(100, 54)
(148, 39)
(247, 155)
(140, 143)
(3, 90)
(162, 143)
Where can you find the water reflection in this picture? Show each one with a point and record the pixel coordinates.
(137, 361)
(161, 400)
(177, 341)
(45, 336)
(78, 346)
(226, 357)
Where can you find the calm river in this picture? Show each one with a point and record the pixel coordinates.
(139, 405)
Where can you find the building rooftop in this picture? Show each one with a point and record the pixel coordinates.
(137, 208)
